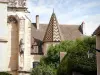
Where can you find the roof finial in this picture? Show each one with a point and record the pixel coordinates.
(53, 10)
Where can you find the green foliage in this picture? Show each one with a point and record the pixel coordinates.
(53, 56)
(77, 59)
(4, 73)
(43, 69)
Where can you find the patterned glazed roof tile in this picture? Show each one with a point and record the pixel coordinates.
(52, 33)
(69, 32)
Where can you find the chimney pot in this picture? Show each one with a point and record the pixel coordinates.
(37, 21)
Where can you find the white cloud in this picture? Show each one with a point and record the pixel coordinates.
(92, 22)
(67, 11)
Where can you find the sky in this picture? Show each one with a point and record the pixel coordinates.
(67, 12)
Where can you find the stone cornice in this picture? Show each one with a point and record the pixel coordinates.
(3, 40)
(17, 3)
(3, 1)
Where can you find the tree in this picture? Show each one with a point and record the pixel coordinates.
(44, 69)
(77, 60)
(49, 64)
(53, 56)
(4, 73)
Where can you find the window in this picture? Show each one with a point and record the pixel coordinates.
(36, 47)
(36, 63)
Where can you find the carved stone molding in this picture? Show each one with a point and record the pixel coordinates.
(12, 19)
(17, 3)
(22, 3)
(21, 46)
(22, 18)
(12, 3)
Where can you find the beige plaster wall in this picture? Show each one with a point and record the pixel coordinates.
(47, 45)
(36, 58)
(98, 54)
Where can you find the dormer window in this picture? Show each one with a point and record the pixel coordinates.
(36, 47)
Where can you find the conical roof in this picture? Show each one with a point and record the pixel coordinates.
(52, 33)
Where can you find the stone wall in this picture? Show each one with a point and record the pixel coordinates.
(27, 52)
(13, 47)
(98, 54)
(3, 37)
(3, 21)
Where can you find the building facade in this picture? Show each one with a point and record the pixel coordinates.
(3, 36)
(43, 35)
(23, 43)
(97, 33)
(15, 37)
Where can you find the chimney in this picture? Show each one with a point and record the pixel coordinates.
(82, 25)
(37, 21)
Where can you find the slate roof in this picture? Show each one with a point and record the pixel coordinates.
(97, 31)
(69, 32)
(54, 32)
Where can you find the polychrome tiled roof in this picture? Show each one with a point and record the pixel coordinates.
(52, 32)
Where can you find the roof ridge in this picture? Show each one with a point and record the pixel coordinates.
(60, 24)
